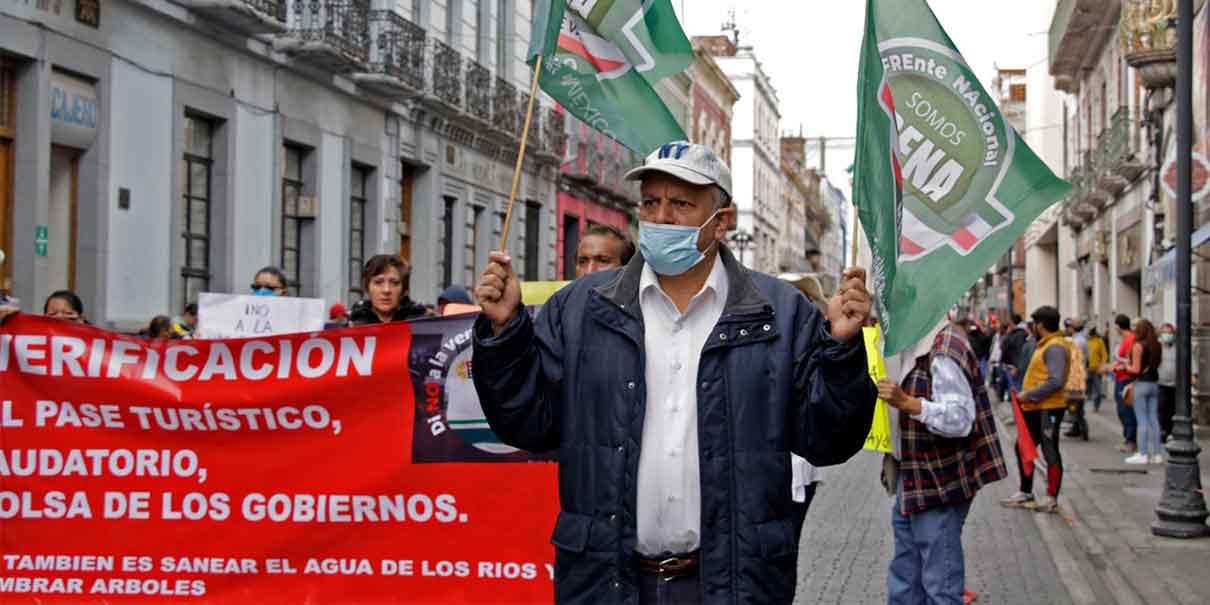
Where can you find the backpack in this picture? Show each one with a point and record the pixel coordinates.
(1077, 372)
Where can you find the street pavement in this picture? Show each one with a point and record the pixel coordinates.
(1099, 549)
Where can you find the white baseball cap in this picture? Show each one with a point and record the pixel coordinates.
(687, 161)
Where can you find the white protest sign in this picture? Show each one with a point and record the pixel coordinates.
(244, 316)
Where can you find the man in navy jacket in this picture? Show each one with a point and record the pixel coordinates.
(675, 389)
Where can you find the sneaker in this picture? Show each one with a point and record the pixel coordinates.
(1157, 458)
(1128, 447)
(969, 596)
(1137, 459)
(1018, 500)
(1047, 505)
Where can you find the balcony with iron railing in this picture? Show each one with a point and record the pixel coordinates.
(396, 56)
(1090, 194)
(504, 107)
(1117, 159)
(1083, 184)
(245, 16)
(1148, 38)
(478, 91)
(519, 116)
(447, 74)
(332, 33)
(554, 133)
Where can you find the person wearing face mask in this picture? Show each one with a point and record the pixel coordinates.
(675, 389)
(270, 281)
(385, 282)
(1167, 380)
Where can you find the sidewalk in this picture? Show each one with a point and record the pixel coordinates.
(1102, 542)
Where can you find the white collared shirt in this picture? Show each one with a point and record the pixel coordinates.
(669, 482)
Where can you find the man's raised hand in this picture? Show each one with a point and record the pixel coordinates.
(499, 291)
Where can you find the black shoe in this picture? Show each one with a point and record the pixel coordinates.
(1073, 433)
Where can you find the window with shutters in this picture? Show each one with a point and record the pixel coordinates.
(357, 229)
(291, 217)
(197, 169)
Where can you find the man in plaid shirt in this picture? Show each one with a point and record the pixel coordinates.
(946, 451)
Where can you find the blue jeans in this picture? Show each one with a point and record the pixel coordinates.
(1093, 393)
(1130, 424)
(1146, 412)
(927, 566)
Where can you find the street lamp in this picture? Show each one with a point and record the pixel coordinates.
(1182, 509)
(743, 241)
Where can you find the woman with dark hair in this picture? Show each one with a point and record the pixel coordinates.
(1145, 357)
(270, 281)
(160, 328)
(385, 282)
(64, 304)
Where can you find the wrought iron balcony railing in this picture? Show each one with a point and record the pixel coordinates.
(478, 91)
(521, 106)
(1117, 158)
(504, 106)
(396, 58)
(554, 133)
(447, 74)
(337, 30)
(247, 16)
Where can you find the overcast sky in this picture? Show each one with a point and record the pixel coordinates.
(810, 49)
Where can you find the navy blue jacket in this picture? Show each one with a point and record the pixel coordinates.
(771, 381)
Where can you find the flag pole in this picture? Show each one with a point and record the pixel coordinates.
(512, 195)
(856, 235)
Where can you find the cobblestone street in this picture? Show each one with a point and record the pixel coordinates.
(847, 543)
(1098, 550)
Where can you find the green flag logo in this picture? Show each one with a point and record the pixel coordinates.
(604, 61)
(942, 184)
(954, 149)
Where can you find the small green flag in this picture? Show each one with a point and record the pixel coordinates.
(602, 59)
(942, 183)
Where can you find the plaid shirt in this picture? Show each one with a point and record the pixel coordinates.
(938, 471)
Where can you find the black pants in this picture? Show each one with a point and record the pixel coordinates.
(683, 590)
(1167, 409)
(1043, 428)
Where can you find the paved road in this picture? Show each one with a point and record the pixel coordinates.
(846, 544)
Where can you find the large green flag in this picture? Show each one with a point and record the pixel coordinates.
(601, 60)
(943, 184)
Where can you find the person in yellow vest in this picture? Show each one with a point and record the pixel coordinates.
(1098, 358)
(1043, 402)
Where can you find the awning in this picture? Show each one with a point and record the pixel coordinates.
(1164, 270)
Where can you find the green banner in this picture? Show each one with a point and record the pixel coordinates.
(943, 184)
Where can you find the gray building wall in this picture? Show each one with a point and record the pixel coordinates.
(152, 61)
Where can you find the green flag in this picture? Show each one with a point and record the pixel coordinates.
(943, 184)
(601, 60)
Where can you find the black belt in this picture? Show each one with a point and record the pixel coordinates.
(671, 566)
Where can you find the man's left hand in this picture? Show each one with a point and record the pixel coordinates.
(890, 392)
(850, 306)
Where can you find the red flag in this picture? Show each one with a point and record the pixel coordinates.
(1026, 448)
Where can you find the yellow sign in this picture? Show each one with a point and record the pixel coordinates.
(538, 292)
(879, 438)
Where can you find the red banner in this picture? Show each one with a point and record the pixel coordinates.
(340, 466)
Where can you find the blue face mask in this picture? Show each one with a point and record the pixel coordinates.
(671, 249)
(264, 292)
